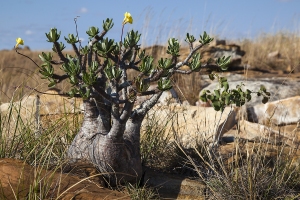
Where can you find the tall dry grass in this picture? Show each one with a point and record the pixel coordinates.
(287, 44)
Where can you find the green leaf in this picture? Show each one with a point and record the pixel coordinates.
(190, 38)
(53, 35)
(205, 38)
(107, 24)
(265, 100)
(131, 39)
(173, 47)
(92, 32)
(164, 84)
(203, 97)
(142, 85)
(227, 99)
(263, 88)
(71, 39)
(217, 93)
(147, 65)
(165, 63)
(211, 76)
(52, 84)
(223, 62)
(105, 47)
(225, 85)
(85, 50)
(195, 64)
(217, 105)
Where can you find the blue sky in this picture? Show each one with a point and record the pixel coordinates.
(157, 20)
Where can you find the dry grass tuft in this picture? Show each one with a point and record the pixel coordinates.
(287, 45)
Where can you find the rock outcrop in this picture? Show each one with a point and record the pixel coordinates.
(280, 112)
(190, 124)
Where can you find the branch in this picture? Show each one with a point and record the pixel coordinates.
(156, 76)
(126, 111)
(137, 62)
(99, 37)
(183, 71)
(60, 78)
(57, 62)
(106, 96)
(185, 62)
(148, 92)
(133, 57)
(132, 66)
(59, 53)
(115, 97)
(124, 80)
(125, 84)
(125, 54)
(146, 106)
(79, 56)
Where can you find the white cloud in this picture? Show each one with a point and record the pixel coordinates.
(28, 32)
(83, 10)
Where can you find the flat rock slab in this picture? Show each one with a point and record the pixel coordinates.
(289, 135)
(16, 178)
(190, 124)
(237, 151)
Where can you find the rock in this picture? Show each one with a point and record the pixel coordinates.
(254, 132)
(190, 124)
(49, 103)
(240, 152)
(203, 104)
(31, 107)
(175, 186)
(278, 87)
(274, 55)
(217, 42)
(281, 112)
(18, 177)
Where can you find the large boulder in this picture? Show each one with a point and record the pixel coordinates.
(190, 124)
(29, 109)
(280, 112)
(254, 132)
(49, 103)
(18, 180)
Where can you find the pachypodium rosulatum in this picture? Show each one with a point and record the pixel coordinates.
(110, 133)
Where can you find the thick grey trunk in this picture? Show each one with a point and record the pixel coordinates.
(93, 123)
(117, 154)
(113, 146)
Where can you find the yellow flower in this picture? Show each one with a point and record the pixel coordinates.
(127, 18)
(19, 42)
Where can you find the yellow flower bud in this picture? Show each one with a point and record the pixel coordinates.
(127, 18)
(19, 42)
